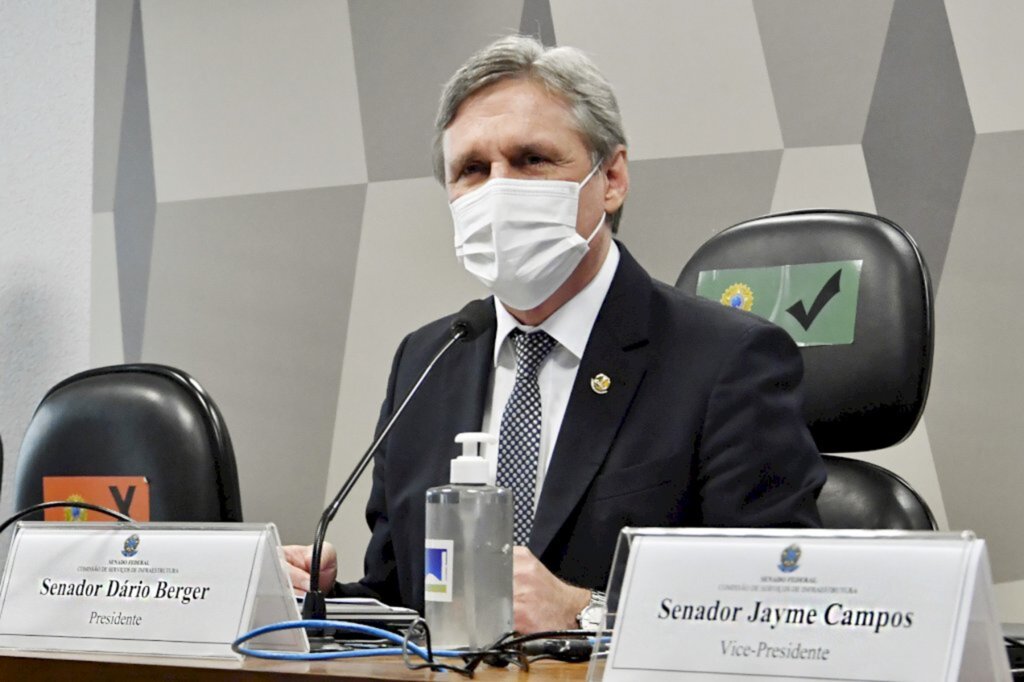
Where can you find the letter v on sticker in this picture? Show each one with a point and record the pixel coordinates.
(126, 494)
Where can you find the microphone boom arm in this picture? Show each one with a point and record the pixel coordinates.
(314, 606)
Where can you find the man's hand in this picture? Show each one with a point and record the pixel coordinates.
(299, 557)
(540, 601)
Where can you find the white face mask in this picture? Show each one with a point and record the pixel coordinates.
(518, 237)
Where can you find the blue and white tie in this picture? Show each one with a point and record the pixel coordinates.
(519, 436)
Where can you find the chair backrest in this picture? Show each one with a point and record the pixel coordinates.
(135, 420)
(868, 394)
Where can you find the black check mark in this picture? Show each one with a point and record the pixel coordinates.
(806, 318)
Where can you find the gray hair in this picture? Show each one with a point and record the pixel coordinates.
(565, 71)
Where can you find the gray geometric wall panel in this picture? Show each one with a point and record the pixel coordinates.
(134, 197)
(675, 205)
(106, 338)
(113, 32)
(251, 97)
(699, 88)
(974, 409)
(537, 21)
(822, 61)
(404, 53)
(988, 43)
(919, 132)
(816, 177)
(251, 295)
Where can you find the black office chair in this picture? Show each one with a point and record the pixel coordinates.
(863, 396)
(135, 420)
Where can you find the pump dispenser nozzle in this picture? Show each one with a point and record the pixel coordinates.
(471, 468)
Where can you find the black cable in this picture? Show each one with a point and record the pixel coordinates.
(569, 650)
(419, 628)
(547, 634)
(78, 505)
(506, 650)
(509, 649)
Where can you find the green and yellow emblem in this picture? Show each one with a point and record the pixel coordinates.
(738, 295)
(76, 513)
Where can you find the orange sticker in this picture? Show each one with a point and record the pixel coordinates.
(126, 494)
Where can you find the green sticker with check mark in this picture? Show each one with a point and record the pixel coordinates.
(815, 302)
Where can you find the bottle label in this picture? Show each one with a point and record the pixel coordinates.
(437, 570)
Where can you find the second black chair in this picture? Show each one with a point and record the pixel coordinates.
(135, 420)
(860, 396)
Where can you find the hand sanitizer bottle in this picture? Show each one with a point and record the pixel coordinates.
(467, 577)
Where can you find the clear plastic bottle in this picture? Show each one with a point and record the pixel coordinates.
(468, 553)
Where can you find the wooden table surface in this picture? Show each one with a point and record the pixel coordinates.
(46, 667)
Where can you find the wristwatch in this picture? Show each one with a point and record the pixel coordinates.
(592, 615)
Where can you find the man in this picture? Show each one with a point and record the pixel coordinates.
(655, 408)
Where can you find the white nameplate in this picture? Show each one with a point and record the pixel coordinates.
(808, 605)
(154, 588)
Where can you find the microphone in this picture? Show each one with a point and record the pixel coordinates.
(470, 322)
(473, 320)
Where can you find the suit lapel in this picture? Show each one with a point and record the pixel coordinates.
(617, 348)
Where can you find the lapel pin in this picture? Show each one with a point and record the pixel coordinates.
(600, 383)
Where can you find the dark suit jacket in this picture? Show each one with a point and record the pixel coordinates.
(701, 426)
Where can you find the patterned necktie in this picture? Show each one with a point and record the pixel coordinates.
(519, 437)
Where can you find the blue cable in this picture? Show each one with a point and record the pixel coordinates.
(323, 655)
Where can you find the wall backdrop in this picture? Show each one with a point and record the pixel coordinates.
(47, 56)
(264, 216)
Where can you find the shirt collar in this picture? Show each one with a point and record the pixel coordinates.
(570, 325)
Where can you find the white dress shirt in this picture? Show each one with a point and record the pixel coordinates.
(570, 326)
